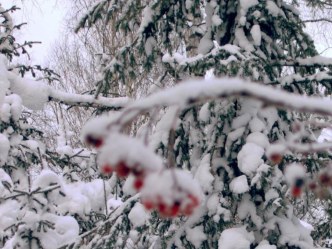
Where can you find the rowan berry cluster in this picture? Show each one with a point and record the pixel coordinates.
(171, 192)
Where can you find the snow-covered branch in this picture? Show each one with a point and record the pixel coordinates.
(35, 94)
(318, 20)
(73, 99)
(196, 92)
(322, 77)
(310, 61)
(111, 219)
(309, 148)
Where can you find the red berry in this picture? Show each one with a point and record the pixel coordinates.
(122, 170)
(94, 141)
(138, 183)
(175, 209)
(312, 186)
(162, 208)
(148, 205)
(169, 211)
(106, 169)
(296, 192)
(324, 179)
(276, 158)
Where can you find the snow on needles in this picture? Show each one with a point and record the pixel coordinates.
(138, 215)
(239, 185)
(203, 174)
(34, 94)
(273, 9)
(4, 149)
(235, 238)
(196, 236)
(4, 82)
(256, 34)
(250, 158)
(246, 5)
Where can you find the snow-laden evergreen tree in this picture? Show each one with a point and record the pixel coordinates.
(248, 145)
(46, 197)
(27, 201)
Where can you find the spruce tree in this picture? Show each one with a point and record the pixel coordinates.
(43, 201)
(248, 145)
(29, 189)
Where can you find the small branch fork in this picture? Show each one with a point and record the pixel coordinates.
(29, 194)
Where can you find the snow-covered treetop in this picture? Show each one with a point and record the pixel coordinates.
(250, 39)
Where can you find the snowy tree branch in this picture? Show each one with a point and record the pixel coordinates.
(309, 147)
(319, 20)
(112, 217)
(310, 61)
(196, 92)
(87, 100)
(321, 77)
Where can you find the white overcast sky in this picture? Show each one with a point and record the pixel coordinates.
(45, 21)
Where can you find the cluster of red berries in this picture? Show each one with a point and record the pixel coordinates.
(171, 192)
(179, 201)
(121, 169)
(183, 206)
(321, 186)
